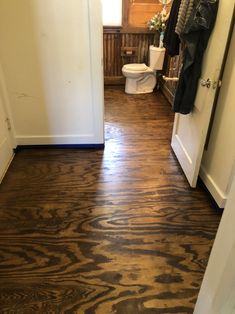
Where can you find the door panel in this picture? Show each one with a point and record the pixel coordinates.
(189, 131)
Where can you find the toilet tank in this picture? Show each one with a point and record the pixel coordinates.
(156, 57)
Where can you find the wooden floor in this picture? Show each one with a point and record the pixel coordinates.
(113, 231)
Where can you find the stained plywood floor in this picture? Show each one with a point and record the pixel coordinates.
(113, 231)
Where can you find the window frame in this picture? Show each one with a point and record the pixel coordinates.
(126, 28)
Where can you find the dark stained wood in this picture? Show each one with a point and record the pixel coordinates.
(113, 231)
(137, 13)
(172, 67)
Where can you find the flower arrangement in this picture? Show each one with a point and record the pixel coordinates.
(158, 21)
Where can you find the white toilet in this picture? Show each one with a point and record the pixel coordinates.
(141, 79)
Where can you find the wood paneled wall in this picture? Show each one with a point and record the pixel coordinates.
(114, 42)
(171, 68)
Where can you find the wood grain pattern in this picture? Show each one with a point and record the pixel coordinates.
(137, 13)
(113, 231)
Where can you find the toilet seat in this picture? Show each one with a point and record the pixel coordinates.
(136, 68)
(139, 67)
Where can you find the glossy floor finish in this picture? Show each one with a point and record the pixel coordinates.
(113, 231)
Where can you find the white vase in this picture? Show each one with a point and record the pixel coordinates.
(161, 40)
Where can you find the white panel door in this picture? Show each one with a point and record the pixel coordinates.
(6, 151)
(189, 131)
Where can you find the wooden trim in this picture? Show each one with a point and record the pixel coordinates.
(125, 13)
(127, 30)
(134, 30)
(111, 29)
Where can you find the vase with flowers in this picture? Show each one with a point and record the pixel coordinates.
(158, 24)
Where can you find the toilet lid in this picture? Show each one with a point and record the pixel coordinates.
(136, 67)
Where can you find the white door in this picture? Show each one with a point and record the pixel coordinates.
(189, 131)
(6, 151)
(217, 293)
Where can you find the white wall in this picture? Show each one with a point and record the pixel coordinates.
(217, 293)
(218, 163)
(51, 54)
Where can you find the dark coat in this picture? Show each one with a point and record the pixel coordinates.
(171, 39)
(195, 37)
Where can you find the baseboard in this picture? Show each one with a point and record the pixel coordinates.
(85, 139)
(66, 141)
(219, 197)
(60, 146)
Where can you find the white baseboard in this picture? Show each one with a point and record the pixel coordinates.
(218, 195)
(58, 140)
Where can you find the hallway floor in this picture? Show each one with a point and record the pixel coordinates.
(113, 231)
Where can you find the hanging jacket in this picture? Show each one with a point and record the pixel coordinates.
(185, 11)
(171, 39)
(196, 35)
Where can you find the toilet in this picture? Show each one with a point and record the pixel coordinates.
(141, 79)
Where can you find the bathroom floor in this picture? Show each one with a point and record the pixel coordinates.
(113, 231)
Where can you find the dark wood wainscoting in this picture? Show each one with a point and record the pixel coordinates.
(121, 48)
(171, 68)
(117, 45)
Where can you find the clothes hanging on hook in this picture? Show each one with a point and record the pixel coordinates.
(185, 11)
(195, 37)
(171, 39)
